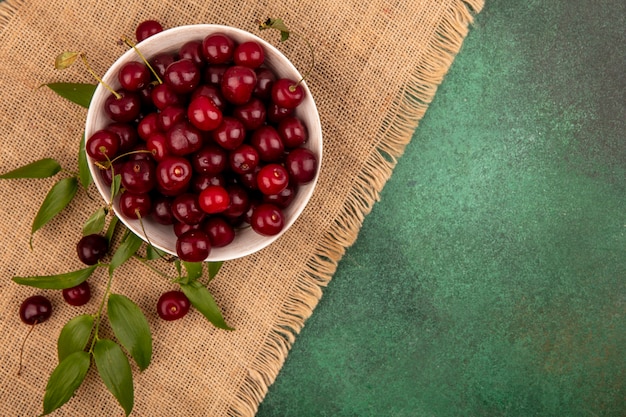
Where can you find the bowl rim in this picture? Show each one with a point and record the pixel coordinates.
(181, 34)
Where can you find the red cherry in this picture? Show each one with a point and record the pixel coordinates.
(249, 54)
(146, 29)
(214, 199)
(78, 295)
(287, 93)
(193, 246)
(204, 114)
(173, 305)
(267, 219)
(238, 84)
(218, 48)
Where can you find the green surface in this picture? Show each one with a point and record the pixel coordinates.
(490, 279)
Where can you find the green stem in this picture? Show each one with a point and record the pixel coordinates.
(98, 315)
(84, 58)
(146, 263)
(132, 45)
(310, 70)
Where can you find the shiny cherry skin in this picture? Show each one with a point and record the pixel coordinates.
(204, 114)
(287, 93)
(138, 176)
(218, 48)
(275, 113)
(272, 179)
(230, 134)
(182, 76)
(173, 174)
(210, 159)
(214, 93)
(282, 199)
(183, 139)
(133, 76)
(103, 145)
(127, 134)
(238, 84)
(221, 232)
(92, 248)
(268, 144)
(148, 125)
(163, 95)
(301, 163)
(192, 50)
(193, 246)
(173, 305)
(124, 109)
(264, 80)
(213, 74)
(35, 309)
(214, 199)
(161, 61)
(78, 295)
(267, 219)
(244, 159)
(292, 132)
(147, 28)
(170, 116)
(135, 206)
(186, 209)
(252, 114)
(249, 54)
(239, 201)
(162, 210)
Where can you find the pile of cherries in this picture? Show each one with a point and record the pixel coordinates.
(210, 146)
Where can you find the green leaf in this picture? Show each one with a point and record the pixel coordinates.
(77, 93)
(131, 328)
(59, 281)
(284, 35)
(203, 301)
(194, 269)
(153, 253)
(65, 60)
(178, 267)
(115, 372)
(42, 168)
(116, 184)
(111, 229)
(125, 251)
(83, 168)
(65, 380)
(214, 268)
(95, 223)
(56, 200)
(74, 336)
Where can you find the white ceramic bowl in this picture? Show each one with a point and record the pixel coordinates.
(246, 241)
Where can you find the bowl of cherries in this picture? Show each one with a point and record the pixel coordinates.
(205, 140)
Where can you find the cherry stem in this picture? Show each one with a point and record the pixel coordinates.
(132, 45)
(19, 370)
(146, 263)
(84, 58)
(293, 87)
(98, 315)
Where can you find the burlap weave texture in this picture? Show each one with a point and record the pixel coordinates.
(378, 65)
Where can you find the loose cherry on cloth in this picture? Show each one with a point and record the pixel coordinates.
(267, 296)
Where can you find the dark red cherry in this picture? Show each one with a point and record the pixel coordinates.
(267, 219)
(186, 209)
(243, 159)
(127, 134)
(138, 176)
(161, 61)
(212, 92)
(268, 144)
(272, 179)
(162, 210)
(173, 174)
(146, 29)
(180, 228)
(193, 246)
(35, 309)
(218, 48)
(282, 199)
(287, 93)
(230, 134)
(221, 233)
(201, 181)
(264, 80)
(249, 54)
(103, 145)
(183, 138)
(239, 201)
(124, 109)
(148, 125)
(192, 51)
(301, 164)
(173, 305)
(157, 147)
(78, 295)
(135, 206)
(182, 76)
(292, 131)
(213, 74)
(214, 199)
(275, 113)
(133, 76)
(237, 84)
(92, 248)
(251, 114)
(204, 114)
(171, 115)
(163, 95)
(210, 159)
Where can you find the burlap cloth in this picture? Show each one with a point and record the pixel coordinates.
(378, 64)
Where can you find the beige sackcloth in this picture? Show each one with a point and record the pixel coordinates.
(377, 67)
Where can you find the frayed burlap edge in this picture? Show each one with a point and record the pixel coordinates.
(396, 132)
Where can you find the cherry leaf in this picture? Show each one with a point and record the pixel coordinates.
(115, 185)
(125, 251)
(95, 223)
(194, 269)
(65, 380)
(214, 268)
(42, 168)
(203, 301)
(153, 253)
(56, 200)
(131, 328)
(57, 282)
(115, 372)
(65, 60)
(83, 167)
(78, 93)
(74, 335)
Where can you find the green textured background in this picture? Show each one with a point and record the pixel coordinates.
(490, 279)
